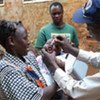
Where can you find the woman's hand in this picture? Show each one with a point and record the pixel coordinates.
(49, 59)
(49, 47)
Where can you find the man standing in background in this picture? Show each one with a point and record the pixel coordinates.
(57, 27)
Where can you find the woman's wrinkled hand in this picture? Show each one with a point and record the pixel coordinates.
(49, 58)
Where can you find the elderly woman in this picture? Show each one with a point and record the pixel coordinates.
(20, 78)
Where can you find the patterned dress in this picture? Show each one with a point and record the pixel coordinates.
(20, 80)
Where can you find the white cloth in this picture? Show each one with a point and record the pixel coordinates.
(45, 72)
(78, 69)
(86, 89)
(69, 61)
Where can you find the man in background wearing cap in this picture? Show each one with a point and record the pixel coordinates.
(89, 87)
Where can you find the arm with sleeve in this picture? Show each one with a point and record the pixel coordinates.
(86, 89)
(90, 57)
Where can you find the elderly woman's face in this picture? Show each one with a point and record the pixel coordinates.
(94, 30)
(21, 41)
